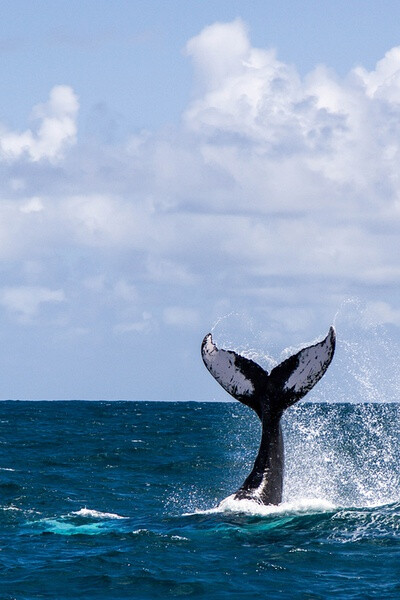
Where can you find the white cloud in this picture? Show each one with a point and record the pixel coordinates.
(384, 82)
(219, 51)
(31, 206)
(254, 95)
(55, 132)
(111, 220)
(144, 325)
(262, 117)
(26, 300)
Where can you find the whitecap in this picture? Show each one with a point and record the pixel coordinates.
(96, 514)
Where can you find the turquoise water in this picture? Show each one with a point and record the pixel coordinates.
(119, 500)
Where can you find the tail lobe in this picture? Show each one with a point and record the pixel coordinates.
(240, 377)
(296, 376)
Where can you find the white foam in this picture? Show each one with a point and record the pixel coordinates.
(96, 514)
(364, 523)
(176, 538)
(6, 469)
(140, 531)
(302, 505)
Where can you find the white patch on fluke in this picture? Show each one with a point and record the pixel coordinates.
(221, 364)
(313, 362)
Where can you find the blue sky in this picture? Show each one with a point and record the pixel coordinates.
(167, 167)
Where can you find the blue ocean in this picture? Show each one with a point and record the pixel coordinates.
(120, 500)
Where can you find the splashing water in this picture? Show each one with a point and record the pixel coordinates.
(346, 454)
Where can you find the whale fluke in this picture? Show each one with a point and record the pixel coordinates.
(268, 394)
(239, 376)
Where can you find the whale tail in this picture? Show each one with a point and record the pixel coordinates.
(268, 394)
(287, 383)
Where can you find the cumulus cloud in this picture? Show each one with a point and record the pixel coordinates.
(315, 132)
(384, 81)
(55, 131)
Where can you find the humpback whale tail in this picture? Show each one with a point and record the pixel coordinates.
(268, 394)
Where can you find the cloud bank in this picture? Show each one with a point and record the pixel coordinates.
(278, 196)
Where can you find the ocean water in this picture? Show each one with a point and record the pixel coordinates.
(120, 500)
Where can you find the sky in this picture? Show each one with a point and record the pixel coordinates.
(172, 168)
